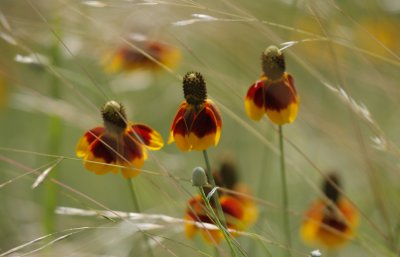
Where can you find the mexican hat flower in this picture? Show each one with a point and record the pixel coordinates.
(151, 54)
(118, 142)
(197, 211)
(197, 124)
(274, 93)
(330, 222)
(239, 210)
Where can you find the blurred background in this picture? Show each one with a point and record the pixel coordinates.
(59, 64)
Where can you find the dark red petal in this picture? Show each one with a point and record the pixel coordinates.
(335, 223)
(216, 112)
(204, 123)
(232, 207)
(179, 115)
(131, 149)
(142, 133)
(93, 134)
(105, 148)
(290, 81)
(255, 93)
(181, 128)
(278, 95)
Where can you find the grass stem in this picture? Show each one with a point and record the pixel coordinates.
(218, 222)
(136, 207)
(215, 197)
(285, 199)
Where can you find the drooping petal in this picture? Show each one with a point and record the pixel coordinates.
(205, 130)
(178, 119)
(133, 156)
(233, 211)
(150, 56)
(249, 206)
(98, 166)
(148, 136)
(82, 148)
(328, 228)
(254, 102)
(190, 228)
(197, 211)
(102, 150)
(171, 56)
(281, 100)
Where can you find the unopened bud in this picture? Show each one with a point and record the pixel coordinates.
(199, 177)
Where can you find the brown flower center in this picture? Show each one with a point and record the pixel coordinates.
(114, 117)
(194, 88)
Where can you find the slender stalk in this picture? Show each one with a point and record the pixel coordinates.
(218, 222)
(215, 197)
(50, 194)
(136, 207)
(285, 200)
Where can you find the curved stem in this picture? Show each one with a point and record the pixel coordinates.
(285, 199)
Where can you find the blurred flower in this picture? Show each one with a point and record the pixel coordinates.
(118, 142)
(274, 93)
(239, 210)
(197, 124)
(330, 222)
(378, 35)
(128, 58)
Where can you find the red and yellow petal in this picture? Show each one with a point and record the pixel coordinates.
(171, 56)
(281, 100)
(128, 58)
(190, 228)
(98, 166)
(147, 136)
(206, 128)
(82, 148)
(178, 119)
(249, 206)
(254, 102)
(233, 211)
(329, 231)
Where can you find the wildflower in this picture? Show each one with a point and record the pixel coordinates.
(197, 124)
(274, 93)
(197, 211)
(118, 142)
(127, 58)
(239, 211)
(330, 222)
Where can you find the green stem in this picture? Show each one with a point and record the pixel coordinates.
(55, 135)
(285, 200)
(215, 197)
(136, 208)
(218, 222)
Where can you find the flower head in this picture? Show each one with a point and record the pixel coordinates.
(118, 142)
(239, 211)
(274, 93)
(197, 124)
(128, 58)
(330, 222)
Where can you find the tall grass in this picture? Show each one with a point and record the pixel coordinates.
(344, 57)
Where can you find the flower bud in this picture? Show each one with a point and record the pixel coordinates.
(199, 177)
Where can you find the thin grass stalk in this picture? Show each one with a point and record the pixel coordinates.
(51, 190)
(215, 197)
(218, 223)
(136, 207)
(285, 199)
